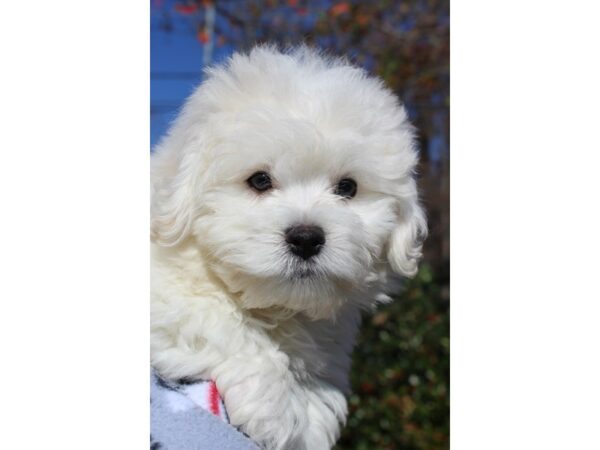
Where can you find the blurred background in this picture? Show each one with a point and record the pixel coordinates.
(400, 370)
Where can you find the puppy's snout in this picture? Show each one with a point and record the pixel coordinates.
(305, 240)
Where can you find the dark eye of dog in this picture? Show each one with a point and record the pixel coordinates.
(346, 188)
(260, 181)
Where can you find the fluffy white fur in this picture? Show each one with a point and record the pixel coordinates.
(230, 302)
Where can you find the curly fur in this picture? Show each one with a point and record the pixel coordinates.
(229, 301)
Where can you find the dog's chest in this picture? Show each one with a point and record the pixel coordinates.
(319, 348)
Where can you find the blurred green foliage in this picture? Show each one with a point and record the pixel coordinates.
(400, 374)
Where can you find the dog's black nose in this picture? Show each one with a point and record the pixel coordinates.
(305, 240)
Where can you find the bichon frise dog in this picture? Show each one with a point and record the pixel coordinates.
(284, 200)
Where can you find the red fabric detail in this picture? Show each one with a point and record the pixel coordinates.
(213, 398)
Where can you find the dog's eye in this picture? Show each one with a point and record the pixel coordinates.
(260, 181)
(346, 188)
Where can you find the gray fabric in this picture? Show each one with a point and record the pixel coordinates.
(190, 427)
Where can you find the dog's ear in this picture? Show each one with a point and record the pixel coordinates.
(173, 186)
(404, 248)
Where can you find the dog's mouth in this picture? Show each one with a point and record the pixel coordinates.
(303, 270)
(304, 274)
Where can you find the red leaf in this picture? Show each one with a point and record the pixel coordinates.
(203, 36)
(186, 10)
(367, 387)
(340, 8)
(362, 19)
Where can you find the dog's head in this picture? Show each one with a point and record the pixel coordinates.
(293, 173)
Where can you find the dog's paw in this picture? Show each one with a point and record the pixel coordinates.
(276, 410)
(272, 410)
(327, 410)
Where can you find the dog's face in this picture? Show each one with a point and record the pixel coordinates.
(296, 200)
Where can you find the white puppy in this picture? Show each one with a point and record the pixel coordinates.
(283, 201)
